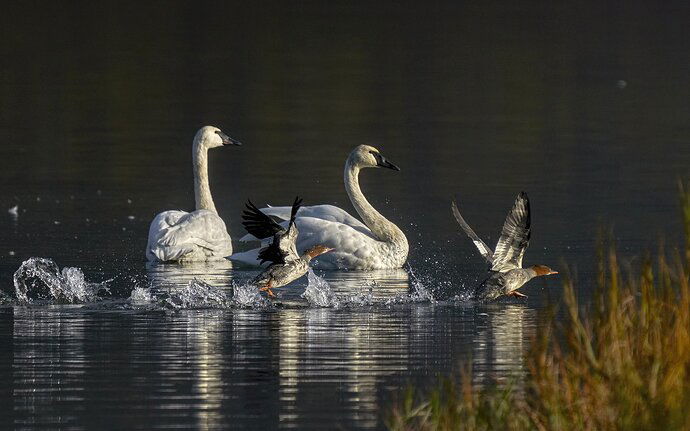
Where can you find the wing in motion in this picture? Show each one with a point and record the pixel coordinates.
(282, 249)
(259, 224)
(481, 246)
(515, 236)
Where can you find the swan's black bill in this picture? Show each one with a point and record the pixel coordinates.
(382, 162)
(227, 140)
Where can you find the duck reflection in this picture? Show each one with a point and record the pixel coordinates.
(502, 340)
(177, 275)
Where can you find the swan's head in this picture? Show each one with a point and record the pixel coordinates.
(365, 156)
(212, 137)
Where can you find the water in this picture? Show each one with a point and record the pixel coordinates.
(583, 107)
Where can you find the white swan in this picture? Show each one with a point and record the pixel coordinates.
(198, 235)
(375, 244)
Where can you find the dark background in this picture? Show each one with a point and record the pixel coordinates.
(584, 105)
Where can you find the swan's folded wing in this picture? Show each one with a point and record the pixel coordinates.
(259, 224)
(174, 234)
(325, 212)
(348, 242)
(328, 213)
(484, 249)
(515, 236)
(202, 227)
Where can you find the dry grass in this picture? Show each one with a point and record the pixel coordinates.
(623, 364)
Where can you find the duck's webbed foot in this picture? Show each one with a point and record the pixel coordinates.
(267, 289)
(517, 294)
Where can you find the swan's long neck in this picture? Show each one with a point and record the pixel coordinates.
(202, 190)
(381, 227)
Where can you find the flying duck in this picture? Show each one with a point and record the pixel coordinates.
(285, 264)
(506, 273)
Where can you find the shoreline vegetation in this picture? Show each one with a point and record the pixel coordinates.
(622, 363)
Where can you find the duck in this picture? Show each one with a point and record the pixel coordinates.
(286, 265)
(375, 243)
(200, 235)
(506, 274)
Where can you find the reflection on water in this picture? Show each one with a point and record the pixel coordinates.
(292, 367)
(46, 387)
(503, 333)
(178, 275)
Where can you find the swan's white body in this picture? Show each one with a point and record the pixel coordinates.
(375, 244)
(199, 235)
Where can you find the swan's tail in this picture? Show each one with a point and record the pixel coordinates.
(250, 257)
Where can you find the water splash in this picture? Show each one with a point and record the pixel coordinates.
(41, 278)
(419, 291)
(247, 295)
(197, 294)
(5, 298)
(362, 298)
(319, 293)
(141, 296)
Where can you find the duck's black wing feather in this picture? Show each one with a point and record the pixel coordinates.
(259, 224)
(484, 249)
(271, 253)
(515, 236)
(293, 214)
(283, 247)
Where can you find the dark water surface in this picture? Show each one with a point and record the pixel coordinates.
(584, 107)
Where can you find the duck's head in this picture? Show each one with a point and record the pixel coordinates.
(317, 250)
(543, 270)
(366, 156)
(212, 137)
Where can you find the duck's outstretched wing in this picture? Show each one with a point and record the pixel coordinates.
(515, 236)
(484, 249)
(259, 224)
(282, 248)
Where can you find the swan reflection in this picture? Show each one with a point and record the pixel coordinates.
(178, 275)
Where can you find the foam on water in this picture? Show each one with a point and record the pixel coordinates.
(41, 278)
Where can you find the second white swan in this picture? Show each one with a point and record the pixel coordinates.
(375, 244)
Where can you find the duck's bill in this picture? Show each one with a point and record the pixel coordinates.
(552, 272)
(325, 250)
(227, 140)
(382, 162)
